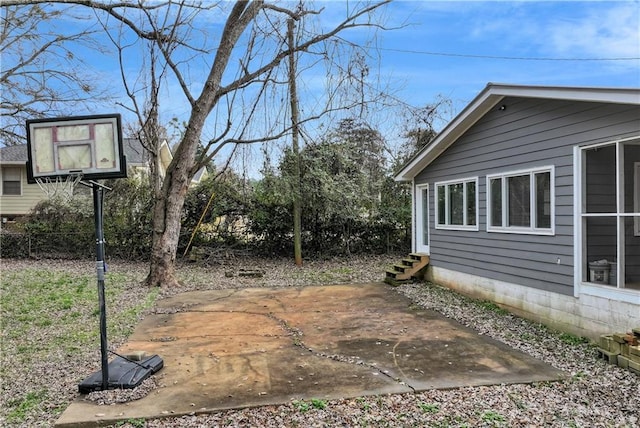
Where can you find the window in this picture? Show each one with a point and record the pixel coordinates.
(604, 197)
(11, 181)
(636, 198)
(521, 202)
(456, 204)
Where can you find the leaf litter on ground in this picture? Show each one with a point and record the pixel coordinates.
(40, 367)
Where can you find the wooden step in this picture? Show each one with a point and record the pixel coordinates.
(391, 273)
(407, 269)
(396, 282)
(419, 256)
(402, 268)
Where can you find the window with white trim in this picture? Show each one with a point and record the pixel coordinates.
(636, 198)
(521, 202)
(456, 204)
(11, 181)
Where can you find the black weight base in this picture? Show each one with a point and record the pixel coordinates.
(123, 374)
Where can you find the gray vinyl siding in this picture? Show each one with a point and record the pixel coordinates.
(528, 133)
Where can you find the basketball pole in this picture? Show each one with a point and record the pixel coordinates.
(98, 193)
(127, 373)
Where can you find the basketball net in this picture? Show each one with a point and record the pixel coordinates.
(59, 187)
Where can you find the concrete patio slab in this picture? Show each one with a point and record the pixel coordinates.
(250, 347)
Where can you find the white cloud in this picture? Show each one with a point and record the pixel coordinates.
(560, 29)
(610, 32)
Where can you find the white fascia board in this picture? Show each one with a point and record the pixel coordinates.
(586, 94)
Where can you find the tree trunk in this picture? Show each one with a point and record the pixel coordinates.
(167, 216)
(297, 209)
(166, 233)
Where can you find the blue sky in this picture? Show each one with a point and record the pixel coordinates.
(452, 49)
(455, 48)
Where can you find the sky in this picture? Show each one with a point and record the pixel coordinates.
(450, 50)
(455, 48)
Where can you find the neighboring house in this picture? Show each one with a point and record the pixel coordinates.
(164, 159)
(523, 191)
(17, 197)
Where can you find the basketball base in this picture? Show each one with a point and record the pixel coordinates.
(123, 374)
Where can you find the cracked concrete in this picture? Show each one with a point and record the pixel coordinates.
(249, 347)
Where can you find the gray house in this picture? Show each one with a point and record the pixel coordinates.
(530, 198)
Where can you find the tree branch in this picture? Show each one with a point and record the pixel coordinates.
(347, 23)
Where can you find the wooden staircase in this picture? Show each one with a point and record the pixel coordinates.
(413, 266)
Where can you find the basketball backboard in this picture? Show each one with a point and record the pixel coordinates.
(89, 146)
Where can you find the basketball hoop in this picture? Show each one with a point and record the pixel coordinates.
(62, 152)
(87, 145)
(59, 187)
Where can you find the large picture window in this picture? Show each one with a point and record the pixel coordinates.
(456, 204)
(521, 202)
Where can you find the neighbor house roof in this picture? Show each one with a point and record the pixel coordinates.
(133, 150)
(13, 154)
(490, 96)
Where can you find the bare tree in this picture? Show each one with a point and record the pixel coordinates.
(35, 54)
(421, 126)
(233, 103)
(148, 131)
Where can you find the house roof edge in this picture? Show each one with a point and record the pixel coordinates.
(490, 96)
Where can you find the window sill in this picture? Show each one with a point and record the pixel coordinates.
(459, 227)
(609, 292)
(541, 232)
